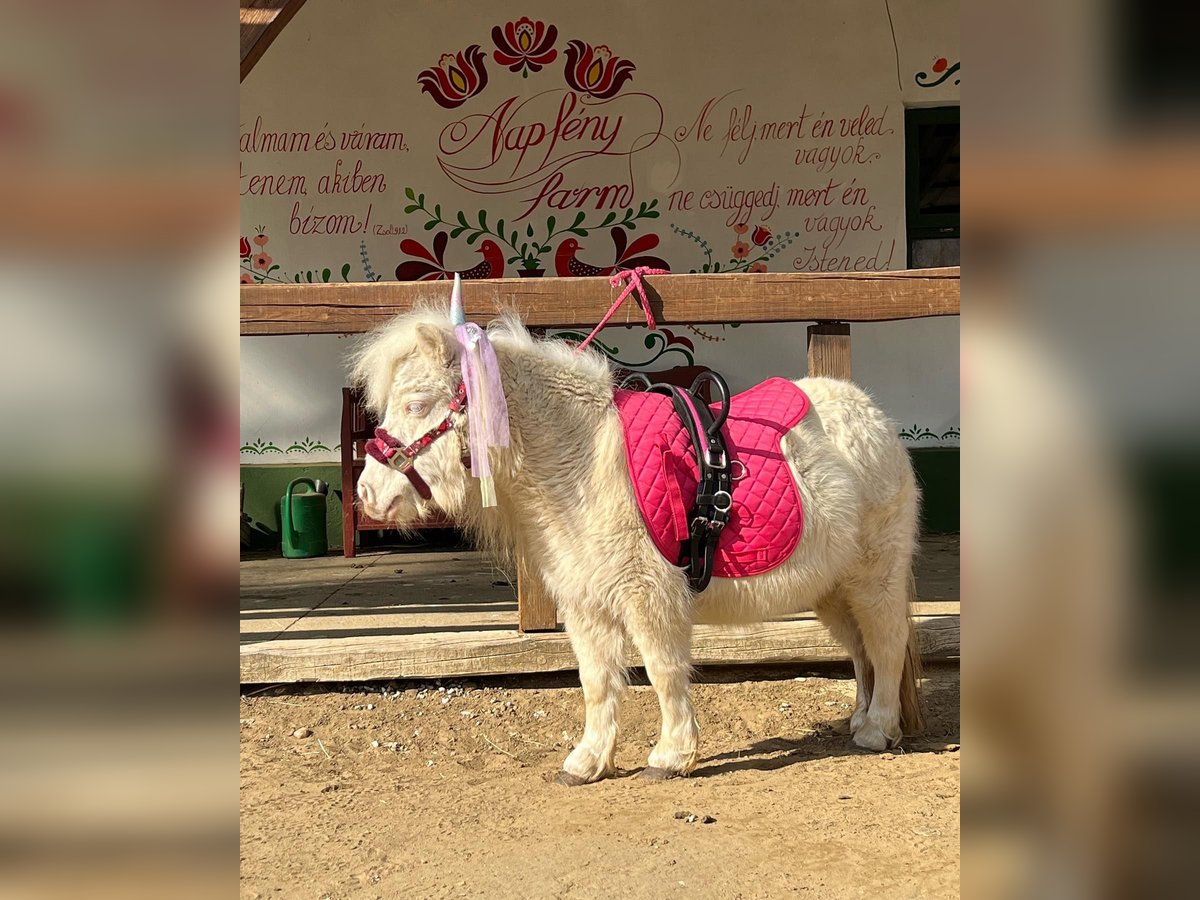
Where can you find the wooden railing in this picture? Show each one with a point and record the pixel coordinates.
(831, 301)
(580, 302)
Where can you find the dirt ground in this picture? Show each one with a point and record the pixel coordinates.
(444, 790)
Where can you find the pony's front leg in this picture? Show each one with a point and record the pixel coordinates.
(663, 635)
(599, 644)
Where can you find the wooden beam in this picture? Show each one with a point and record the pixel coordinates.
(535, 608)
(461, 654)
(261, 22)
(829, 350)
(579, 302)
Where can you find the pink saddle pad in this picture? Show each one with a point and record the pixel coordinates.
(766, 519)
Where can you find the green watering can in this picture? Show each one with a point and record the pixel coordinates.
(302, 517)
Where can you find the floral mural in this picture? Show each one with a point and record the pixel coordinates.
(595, 71)
(259, 268)
(456, 78)
(751, 251)
(527, 246)
(525, 46)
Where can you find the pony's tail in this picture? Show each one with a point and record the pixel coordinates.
(912, 719)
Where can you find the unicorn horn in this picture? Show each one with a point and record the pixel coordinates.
(457, 316)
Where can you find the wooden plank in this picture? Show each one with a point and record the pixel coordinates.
(535, 608)
(578, 302)
(471, 654)
(261, 22)
(829, 350)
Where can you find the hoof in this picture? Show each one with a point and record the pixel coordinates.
(568, 780)
(870, 737)
(654, 773)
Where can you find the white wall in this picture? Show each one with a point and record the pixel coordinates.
(341, 67)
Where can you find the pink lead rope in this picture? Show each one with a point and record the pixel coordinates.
(634, 277)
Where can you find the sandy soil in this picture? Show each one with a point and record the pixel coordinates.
(443, 790)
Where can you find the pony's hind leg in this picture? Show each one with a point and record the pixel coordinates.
(880, 607)
(599, 644)
(834, 612)
(663, 636)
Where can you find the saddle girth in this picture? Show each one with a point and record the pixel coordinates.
(714, 494)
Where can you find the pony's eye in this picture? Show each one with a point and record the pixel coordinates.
(417, 408)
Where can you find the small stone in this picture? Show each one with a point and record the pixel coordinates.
(682, 814)
(690, 818)
(375, 744)
(844, 797)
(539, 714)
(370, 706)
(708, 820)
(302, 732)
(785, 705)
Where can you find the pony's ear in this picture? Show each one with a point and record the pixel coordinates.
(435, 343)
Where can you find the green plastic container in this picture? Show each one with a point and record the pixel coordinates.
(302, 520)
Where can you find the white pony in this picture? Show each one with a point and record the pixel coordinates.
(567, 506)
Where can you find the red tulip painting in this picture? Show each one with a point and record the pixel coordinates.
(456, 78)
(595, 71)
(524, 45)
(761, 235)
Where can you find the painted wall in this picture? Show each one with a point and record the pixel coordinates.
(383, 140)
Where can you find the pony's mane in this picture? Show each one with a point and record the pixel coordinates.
(373, 365)
(510, 334)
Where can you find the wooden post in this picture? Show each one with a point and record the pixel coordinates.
(829, 350)
(535, 608)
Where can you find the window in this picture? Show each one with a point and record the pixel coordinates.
(931, 159)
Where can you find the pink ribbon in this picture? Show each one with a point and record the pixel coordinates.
(487, 422)
(634, 277)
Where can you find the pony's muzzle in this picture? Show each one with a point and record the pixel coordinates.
(366, 493)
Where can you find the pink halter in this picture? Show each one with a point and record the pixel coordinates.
(385, 449)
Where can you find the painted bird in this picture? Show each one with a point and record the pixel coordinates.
(431, 266)
(566, 265)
